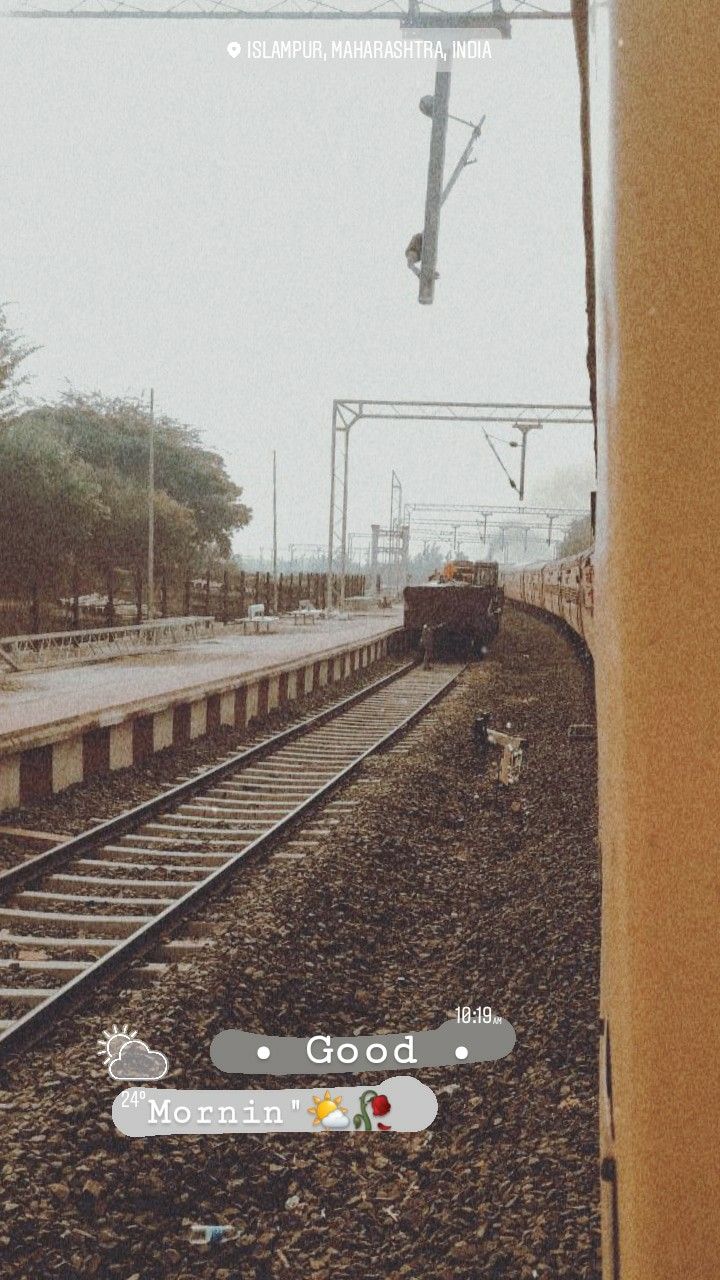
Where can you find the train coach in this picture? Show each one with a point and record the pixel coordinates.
(561, 587)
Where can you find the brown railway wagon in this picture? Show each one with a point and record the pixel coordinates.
(464, 618)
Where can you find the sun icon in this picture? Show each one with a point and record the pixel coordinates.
(328, 1112)
(114, 1041)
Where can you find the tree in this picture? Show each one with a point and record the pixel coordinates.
(121, 539)
(50, 510)
(115, 433)
(578, 537)
(12, 353)
(197, 506)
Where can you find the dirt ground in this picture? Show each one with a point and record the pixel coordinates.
(437, 893)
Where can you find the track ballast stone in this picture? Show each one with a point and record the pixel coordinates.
(435, 893)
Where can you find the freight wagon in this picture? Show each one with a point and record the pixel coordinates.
(463, 618)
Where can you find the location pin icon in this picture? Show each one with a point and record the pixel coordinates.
(234, 48)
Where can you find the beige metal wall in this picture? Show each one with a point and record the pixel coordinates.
(658, 640)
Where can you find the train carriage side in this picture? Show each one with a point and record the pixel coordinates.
(564, 588)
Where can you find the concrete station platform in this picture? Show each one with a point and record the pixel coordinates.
(60, 727)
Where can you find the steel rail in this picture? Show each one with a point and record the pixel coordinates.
(15, 877)
(34, 1024)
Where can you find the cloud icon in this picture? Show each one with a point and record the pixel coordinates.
(336, 1120)
(136, 1061)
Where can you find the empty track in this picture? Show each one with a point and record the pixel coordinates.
(75, 915)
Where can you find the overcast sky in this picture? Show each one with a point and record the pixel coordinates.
(232, 232)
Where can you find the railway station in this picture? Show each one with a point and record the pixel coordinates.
(359, 642)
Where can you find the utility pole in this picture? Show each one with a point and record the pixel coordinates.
(524, 428)
(395, 540)
(151, 513)
(274, 553)
(436, 170)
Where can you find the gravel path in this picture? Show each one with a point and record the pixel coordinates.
(435, 894)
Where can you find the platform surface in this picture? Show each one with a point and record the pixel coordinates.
(40, 699)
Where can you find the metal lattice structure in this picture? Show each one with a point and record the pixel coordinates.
(409, 13)
(462, 534)
(389, 548)
(451, 510)
(396, 501)
(68, 648)
(346, 413)
(424, 518)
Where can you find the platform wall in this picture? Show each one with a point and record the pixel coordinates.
(38, 764)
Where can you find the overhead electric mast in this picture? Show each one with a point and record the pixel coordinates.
(347, 413)
(415, 14)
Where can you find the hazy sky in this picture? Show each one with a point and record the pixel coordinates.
(232, 232)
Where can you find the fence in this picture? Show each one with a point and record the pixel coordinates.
(229, 599)
(65, 648)
(226, 599)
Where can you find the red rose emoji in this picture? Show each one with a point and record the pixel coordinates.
(380, 1105)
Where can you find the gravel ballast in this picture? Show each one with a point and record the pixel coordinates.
(440, 890)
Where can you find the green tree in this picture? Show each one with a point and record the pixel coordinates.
(115, 433)
(578, 537)
(197, 505)
(121, 539)
(13, 350)
(50, 511)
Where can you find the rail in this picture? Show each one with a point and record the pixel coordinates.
(179, 848)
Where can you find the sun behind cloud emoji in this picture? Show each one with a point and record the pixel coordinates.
(328, 1112)
(114, 1041)
(128, 1058)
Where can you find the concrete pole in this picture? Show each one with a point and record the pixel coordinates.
(524, 428)
(405, 555)
(274, 551)
(436, 169)
(374, 554)
(343, 531)
(523, 451)
(331, 534)
(151, 512)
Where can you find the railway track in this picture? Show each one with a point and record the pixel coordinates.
(74, 916)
